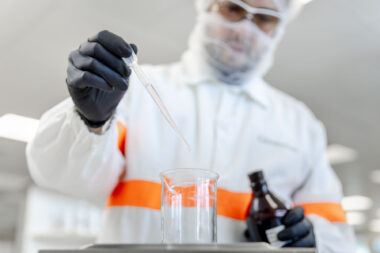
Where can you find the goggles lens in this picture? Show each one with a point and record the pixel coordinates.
(235, 13)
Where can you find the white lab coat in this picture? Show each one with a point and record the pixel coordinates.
(232, 130)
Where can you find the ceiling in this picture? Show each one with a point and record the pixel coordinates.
(330, 59)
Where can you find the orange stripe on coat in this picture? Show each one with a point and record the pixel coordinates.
(234, 205)
(332, 212)
(146, 194)
(122, 136)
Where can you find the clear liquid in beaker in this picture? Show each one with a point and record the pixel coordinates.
(188, 206)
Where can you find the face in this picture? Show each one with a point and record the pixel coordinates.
(244, 39)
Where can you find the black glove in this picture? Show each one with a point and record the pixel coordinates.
(97, 77)
(298, 229)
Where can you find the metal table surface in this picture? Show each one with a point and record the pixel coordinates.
(176, 248)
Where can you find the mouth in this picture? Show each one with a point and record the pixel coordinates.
(237, 46)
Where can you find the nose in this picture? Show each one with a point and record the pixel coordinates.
(242, 30)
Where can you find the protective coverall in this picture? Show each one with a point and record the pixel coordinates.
(233, 130)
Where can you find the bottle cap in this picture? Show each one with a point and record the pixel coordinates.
(257, 176)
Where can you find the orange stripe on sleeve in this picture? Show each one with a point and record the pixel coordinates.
(136, 193)
(332, 212)
(122, 135)
(233, 204)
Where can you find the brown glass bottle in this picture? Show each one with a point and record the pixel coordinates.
(265, 211)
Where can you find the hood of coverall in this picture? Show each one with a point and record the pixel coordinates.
(245, 54)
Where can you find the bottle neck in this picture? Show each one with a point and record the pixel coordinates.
(260, 188)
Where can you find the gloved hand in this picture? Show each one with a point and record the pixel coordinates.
(298, 229)
(97, 77)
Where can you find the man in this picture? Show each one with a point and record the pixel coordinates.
(109, 142)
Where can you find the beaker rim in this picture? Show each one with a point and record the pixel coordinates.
(211, 175)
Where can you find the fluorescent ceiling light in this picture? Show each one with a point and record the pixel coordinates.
(375, 245)
(361, 247)
(17, 127)
(374, 226)
(375, 176)
(356, 203)
(338, 154)
(355, 218)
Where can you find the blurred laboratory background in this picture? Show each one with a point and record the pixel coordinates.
(329, 59)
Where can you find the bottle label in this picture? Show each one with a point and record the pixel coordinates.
(272, 236)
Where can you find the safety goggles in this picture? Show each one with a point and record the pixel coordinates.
(236, 10)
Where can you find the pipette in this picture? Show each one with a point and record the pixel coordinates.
(132, 63)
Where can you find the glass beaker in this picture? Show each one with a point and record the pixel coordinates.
(188, 206)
